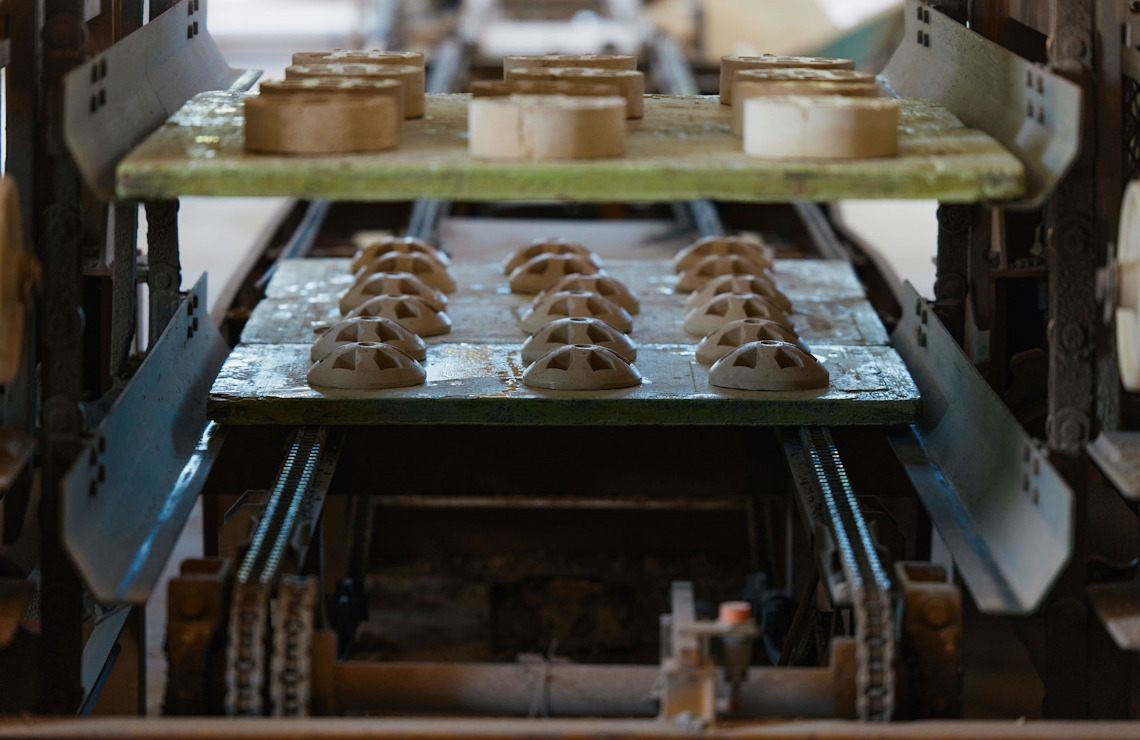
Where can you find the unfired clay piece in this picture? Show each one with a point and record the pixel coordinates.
(581, 367)
(539, 273)
(391, 283)
(757, 83)
(397, 244)
(761, 285)
(548, 246)
(504, 89)
(412, 79)
(769, 366)
(572, 304)
(603, 285)
(708, 317)
(721, 246)
(416, 263)
(713, 266)
(730, 65)
(544, 128)
(630, 83)
(355, 56)
(320, 124)
(409, 311)
(599, 61)
(369, 329)
(739, 332)
(355, 87)
(821, 128)
(577, 331)
(366, 366)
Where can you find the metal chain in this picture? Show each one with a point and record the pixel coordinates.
(245, 651)
(293, 623)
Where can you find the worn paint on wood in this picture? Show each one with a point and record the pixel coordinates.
(681, 150)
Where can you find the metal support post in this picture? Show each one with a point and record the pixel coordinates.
(164, 268)
(124, 291)
(955, 225)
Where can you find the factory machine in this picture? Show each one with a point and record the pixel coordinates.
(938, 542)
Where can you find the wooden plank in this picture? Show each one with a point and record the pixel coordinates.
(681, 150)
(481, 384)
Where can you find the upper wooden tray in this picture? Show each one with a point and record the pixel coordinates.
(681, 150)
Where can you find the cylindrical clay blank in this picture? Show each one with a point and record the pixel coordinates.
(545, 128)
(631, 83)
(412, 78)
(598, 61)
(752, 83)
(821, 128)
(320, 124)
(730, 65)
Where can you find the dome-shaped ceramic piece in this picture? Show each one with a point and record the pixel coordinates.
(718, 311)
(409, 311)
(740, 332)
(540, 272)
(402, 244)
(761, 285)
(577, 331)
(548, 246)
(769, 366)
(721, 246)
(571, 304)
(581, 367)
(604, 285)
(417, 263)
(372, 329)
(391, 283)
(366, 366)
(713, 266)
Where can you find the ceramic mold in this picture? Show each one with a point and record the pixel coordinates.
(629, 82)
(366, 366)
(320, 124)
(410, 77)
(821, 128)
(356, 56)
(743, 331)
(721, 246)
(718, 311)
(403, 244)
(714, 266)
(371, 329)
(416, 263)
(391, 283)
(539, 273)
(769, 366)
(731, 65)
(577, 331)
(350, 87)
(599, 61)
(581, 367)
(575, 305)
(757, 83)
(546, 128)
(548, 246)
(761, 285)
(409, 311)
(504, 89)
(603, 285)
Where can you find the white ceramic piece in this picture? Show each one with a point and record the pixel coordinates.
(403, 244)
(629, 82)
(391, 283)
(372, 329)
(320, 124)
(409, 311)
(599, 61)
(603, 285)
(757, 83)
(743, 331)
(1128, 290)
(731, 65)
(504, 89)
(769, 366)
(539, 273)
(550, 245)
(353, 87)
(577, 331)
(721, 246)
(581, 367)
(710, 316)
(412, 79)
(713, 266)
(417, 263)
(366, 366)
(761, 285)
(546, 128)
(821, 128)
(355, 56)
(575, 305)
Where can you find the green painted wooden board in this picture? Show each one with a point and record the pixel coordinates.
(681, 150)
(480, 384)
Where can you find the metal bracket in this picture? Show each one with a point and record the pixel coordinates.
(116, 99)
(1002, 509)
(129, 492)
(1033, 112)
